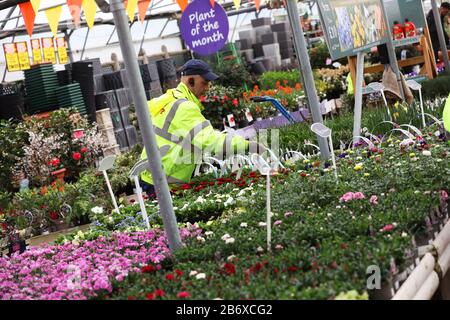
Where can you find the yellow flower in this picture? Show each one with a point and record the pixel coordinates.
(358, 167)
(366, 174)
(306, 161)
(412, 155)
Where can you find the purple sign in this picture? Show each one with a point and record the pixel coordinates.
(204, 29)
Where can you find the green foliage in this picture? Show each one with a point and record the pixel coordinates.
(119, 175)
(319, 54)
(232, 74)
(439, 86)
(12, 140)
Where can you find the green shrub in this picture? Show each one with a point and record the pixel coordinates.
(439, 86)
(268, 80)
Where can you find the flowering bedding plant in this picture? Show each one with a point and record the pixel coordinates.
(81, 269)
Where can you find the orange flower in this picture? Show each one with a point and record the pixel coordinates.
(43, 190)
(298, 86)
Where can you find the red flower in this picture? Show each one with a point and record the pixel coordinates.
(83, 150)
(55, 162)
(230, 268)
(169, 276)
(150, 296)
(159, 293)
(275, 270)
(202, 99)
(258, 266)
(185, 187)
(199, 188)
(225, 97)
(387, 228)
(302, 174)
(183, 294)
(76, 156)
(148, 269)
(179, 272)
(333, 265)
(344, 245)
(292, 269)
(53, 215)
(215, 98)
(235, 102)
(131, 298)
(4, 226)
(42, 206)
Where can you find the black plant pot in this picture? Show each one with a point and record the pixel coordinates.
(17, 246)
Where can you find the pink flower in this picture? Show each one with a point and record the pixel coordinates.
(347, 197)
(183, 294)
(388, 227)
(444, 195)
(373, 200)
(358, 195)
(278, 222)
(288, 214)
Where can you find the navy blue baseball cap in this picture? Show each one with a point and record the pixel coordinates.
(198, 67)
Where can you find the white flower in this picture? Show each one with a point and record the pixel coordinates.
(185, 207)
(426, 153)
(209, 223)
(241, 193)
(200, 276)
(230, 201)
(208, 233)
(97, 210)
(200, 200)
(201, 239)
(192, 273)
(259, 249)
(229, 240)
(225, 237)
(231, 258)
(244, 224)
(110, 219)
(404, 234)
(262, 224)
(437, 133)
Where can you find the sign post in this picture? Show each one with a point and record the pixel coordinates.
(306, 71)
(325, 132)
(106, 164)
(204, 28)
(145, 123)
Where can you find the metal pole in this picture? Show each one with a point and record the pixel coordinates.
(69, 47)
(145, 123)
(7, 17)
(358, 96)
(110, 37)
(84, 45)
(143, 36)
(392, 56)
(306, 71)
(440, 32)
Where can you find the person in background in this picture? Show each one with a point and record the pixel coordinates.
(444, 10)
(183, 134)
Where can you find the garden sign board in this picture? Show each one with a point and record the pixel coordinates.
(204, 28)
(352, 26)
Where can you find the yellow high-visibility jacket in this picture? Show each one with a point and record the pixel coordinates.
(446, 114)
(183, 135)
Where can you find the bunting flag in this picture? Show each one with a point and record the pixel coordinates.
(213, 2)
(183, 4)
(35, 4)
(89, 9)
(142, 8)
(257, 4)
(75, 10)
(237, 4)
(53, 15)
(28, 15)
(131, 8)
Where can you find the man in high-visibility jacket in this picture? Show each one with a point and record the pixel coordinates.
(182, 133)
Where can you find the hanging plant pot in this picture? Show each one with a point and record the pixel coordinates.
(59, 174)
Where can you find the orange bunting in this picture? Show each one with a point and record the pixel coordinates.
(28, 15)
(75, 10)
(183, 4)
(213, 2)
(142, 8)
(257, 4)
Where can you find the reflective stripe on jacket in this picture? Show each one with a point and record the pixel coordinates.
(446, 114)
(183, 134)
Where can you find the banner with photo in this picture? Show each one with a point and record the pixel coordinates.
(36, 49)
(11, 57)
(49, 50)
(62, 50)
(24, 58)
(352, 26)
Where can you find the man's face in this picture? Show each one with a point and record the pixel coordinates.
(201, 86)
(444, 11)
